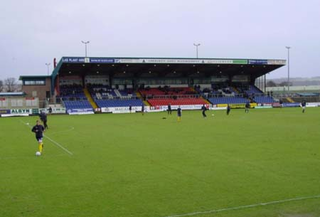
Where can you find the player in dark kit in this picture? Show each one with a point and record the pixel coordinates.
(38, 129)
(303, 106)
(142, 109)
(247, 106)
(204, 109)
(228, 109)
(169, 109)
(179, 113)
(43, 117)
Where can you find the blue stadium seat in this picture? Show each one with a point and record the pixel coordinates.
(228, 100)
(119, 102)
(264, 99)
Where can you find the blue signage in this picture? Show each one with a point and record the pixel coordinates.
(5, 111)
(80, 110)
(291, 104)
(101, 60)
(258, 62)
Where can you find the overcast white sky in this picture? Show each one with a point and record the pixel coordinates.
(34, 32)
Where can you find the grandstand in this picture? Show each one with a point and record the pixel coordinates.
(93, 84)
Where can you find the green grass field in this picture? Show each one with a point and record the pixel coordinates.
(146, 166)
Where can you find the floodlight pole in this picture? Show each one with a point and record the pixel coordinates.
(288, 67)
(48, 65)
(85, 46)
(196, 45)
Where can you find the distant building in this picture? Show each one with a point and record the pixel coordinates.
(37, 87)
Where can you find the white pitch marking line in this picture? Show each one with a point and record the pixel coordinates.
(54, 142)
(245, 206)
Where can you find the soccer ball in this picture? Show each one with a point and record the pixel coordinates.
(38, 153)
(27, 123)
(212, 115)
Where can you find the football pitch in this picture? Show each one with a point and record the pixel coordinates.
(262, 163)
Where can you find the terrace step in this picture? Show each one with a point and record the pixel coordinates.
(289, 99)
(146, 103)
(91, 101)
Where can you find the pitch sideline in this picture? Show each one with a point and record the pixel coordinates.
(246, 206)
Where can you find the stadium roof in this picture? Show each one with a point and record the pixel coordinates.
(156, 67)
(32, 77)
(165, 67)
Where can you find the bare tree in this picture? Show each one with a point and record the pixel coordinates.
(10, 84)
(18, 87)
(285, 83)
(271, 84)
